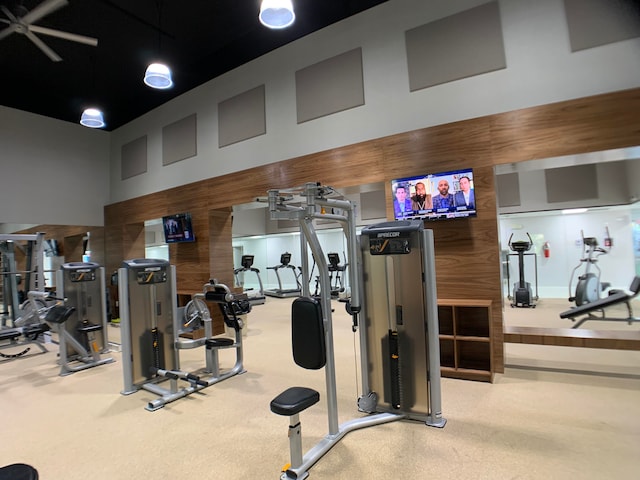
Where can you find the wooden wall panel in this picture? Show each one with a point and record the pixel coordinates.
(467, 250)
(577, 126)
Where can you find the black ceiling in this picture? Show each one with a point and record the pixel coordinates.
(199, 39)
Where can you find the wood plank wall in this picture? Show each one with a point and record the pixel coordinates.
(467, 251)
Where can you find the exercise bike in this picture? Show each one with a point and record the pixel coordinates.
(522, 293)
(589, 288)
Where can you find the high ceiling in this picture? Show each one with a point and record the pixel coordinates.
(199, 39)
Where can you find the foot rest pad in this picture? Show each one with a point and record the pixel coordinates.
(88, 328)
(294, 400)
(218, 342)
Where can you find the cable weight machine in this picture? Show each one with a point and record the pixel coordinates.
(150, 332)
(389, 392)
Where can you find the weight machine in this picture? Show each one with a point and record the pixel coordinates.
(396, 378)
(83, 333)
(151, 329)
(32, 246)
(33, 326)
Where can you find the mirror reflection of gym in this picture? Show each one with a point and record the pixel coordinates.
(583, 238)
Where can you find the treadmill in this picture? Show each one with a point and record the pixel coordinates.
(256, 297)
(281, 292)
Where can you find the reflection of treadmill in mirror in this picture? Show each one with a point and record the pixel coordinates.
(256, 297)
(337, 282)
(281, 292)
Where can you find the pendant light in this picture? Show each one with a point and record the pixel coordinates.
(277, 13)
(92, 118)
(158, 75)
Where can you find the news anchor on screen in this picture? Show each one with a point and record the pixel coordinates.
(465, 197)
(444, 200)
(401, 202)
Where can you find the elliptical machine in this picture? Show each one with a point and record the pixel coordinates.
(589, 288)
(522, 292)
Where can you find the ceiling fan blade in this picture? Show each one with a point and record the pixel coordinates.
(7, 31)
(43, 9)
(65, 35)
(41, 45)
(12, 18)
(4, 20)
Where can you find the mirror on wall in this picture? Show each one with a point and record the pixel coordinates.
(254, 233)
(155, 245)
(569, 235)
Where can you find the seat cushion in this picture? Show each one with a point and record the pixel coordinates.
(18, 471)
(294, 400)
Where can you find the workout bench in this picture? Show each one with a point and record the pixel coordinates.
(21, 337)
(614, 298)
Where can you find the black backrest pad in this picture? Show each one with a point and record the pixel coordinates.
(635, 285)
(307, 333)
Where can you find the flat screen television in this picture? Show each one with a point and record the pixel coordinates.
(436, 196)
(178, 228)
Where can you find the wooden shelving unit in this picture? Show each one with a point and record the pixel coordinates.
(465, 339)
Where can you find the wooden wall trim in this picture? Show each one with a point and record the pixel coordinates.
(467, 251)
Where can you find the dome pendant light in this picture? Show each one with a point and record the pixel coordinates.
(158, 76)
(276, 13)
(92, 118)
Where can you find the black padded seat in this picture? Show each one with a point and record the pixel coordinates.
(18, 471)
(59, 314)
(294, 400)
(35, 329)
(219, 342)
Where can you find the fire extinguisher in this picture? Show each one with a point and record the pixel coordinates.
(546, 249)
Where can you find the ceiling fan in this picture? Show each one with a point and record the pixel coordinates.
(24, 24)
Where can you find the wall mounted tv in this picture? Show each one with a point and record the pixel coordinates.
(178, 228)
(437, 196)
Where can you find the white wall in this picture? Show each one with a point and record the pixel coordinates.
(51, 172)
(540, 69)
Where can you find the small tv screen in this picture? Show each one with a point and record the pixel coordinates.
(178, 228)
(437, 196)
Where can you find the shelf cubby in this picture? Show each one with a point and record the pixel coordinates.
(465, 339)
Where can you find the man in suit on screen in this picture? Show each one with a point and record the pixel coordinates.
(465, 197)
